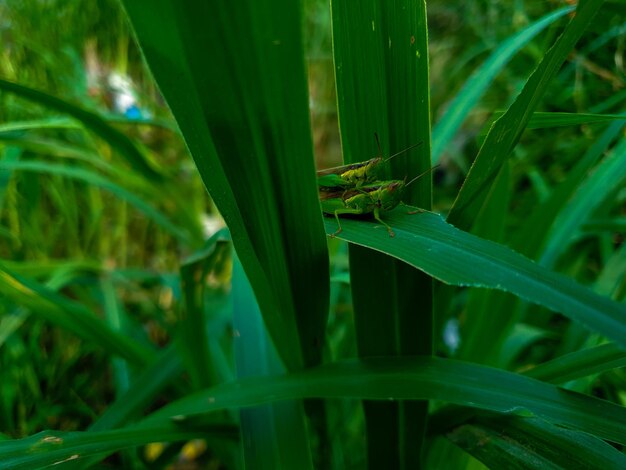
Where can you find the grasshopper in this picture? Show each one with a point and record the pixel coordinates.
(357, 174)
(372, 198)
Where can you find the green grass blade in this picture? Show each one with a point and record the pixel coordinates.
(92, 121)
(118, 320)
(459, 258)
(38, 124)
(59, 149)
(164, 369)
(507, 130)
(602, 225)
(479, 310)
(97, 180)
(273, 435)
(201, 303)
(158, 190)
(612, 102)
(57, 277)
(233, 76)
(599, 42)
(161, 372)
(69, 315)
(529, 241)
(608, 176)
(612, 278)
(54, 448)
(381, 67)
(541, 120)
(10, 154)
(531, 443)
(481, 79)
(61, 271)
(534, 234)
(579, 364)
(415, 378)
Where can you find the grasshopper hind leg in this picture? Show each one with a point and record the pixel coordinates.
(339, 230)
(338, 212)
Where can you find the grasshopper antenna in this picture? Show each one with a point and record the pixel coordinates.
(380, 151)
(422, 174)
(401, 151)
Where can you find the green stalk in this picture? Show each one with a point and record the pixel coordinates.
(381, 65)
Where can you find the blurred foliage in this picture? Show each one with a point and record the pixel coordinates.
(55, 228)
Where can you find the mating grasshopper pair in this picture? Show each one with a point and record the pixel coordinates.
(356, 189)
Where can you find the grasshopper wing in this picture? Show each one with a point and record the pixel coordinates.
(331, 181)
(349, 175)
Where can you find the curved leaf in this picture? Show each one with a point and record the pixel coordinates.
(413, 378)
(531, 443)
(55, 448)
(455, 257)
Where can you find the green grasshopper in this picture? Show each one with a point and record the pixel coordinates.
(357, 174)
(372, 198)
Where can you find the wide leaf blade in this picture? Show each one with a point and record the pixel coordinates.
(415, 378)
(233, 75)
(531, 443)
(455, 257)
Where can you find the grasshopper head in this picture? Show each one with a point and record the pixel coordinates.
(374, 169)
(391, 195)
